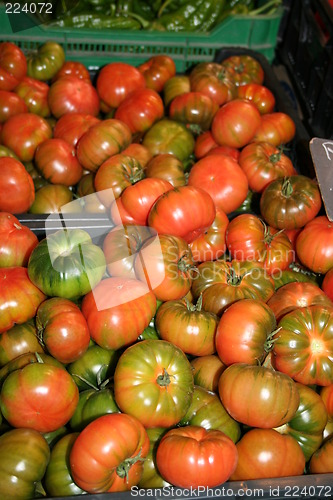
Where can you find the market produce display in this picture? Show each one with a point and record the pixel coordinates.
(195, 335)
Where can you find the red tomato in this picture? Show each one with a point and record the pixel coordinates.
(157, 70)
(211, 244)
(314, 245)
(236, 123)
(195, 109)
(116, 80)
(244, 69)
(257, 396)
(262, 163)
(244, 332)
(73, 68)
(117, 311)
(119, 215)
(10, 104)
(248, 238)
(327, 284)
(19, 297)
(321, 461)
(264, 453)
(13, 65)
(225, 150)
(22, 134)
(71, 126)
(16, 241)
(191, 456)
(185, 212)
(71, 94)
(39, 396)
(260, 95)
(222, 178)
(276, 128)
(138, 198)
(204, 143)
(35, 95)
(140, 109)
(108, 455)
(214, 81)
(16, 186)
(139, 152)
(62, 329)
(57, 162)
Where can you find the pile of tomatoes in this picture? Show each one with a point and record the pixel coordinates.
(192, 344)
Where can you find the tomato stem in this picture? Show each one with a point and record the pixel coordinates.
(164, 380)
(286, 188)
(269, 342)
(194, 307)
(124, 467)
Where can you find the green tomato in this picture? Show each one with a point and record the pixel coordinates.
(93, 403)
(66, 264)
(46, 62)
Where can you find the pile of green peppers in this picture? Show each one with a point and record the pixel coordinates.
(160, 15)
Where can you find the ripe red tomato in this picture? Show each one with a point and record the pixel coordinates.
(258, 396)
(139, 152)
(71, 94)
(71, 127)
(185, 212)
(35, 95)
(13, 65)
(204, 143)
(262, 163)
(314, 245)
(117, 311)
(10, 104)
(260, 95)
(191, 456)
(57, 162)
(236, 123)
(16, 241)
(276, 128)
(39, 396)
(244, 332)
(16, 186)
(244, 69)
(140, 109)
(73, 68)
(108, 455)
(116, 80)
(214, 81)
(157, 70)
(264, 453)
(22, 134)
(222, 178)
(211, 244)
(327, 284)
(62, 329)
(195, 109)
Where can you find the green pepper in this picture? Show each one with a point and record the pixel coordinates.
(144, 9)
(97, 21)
(196, 15)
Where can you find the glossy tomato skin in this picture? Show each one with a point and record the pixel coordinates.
(321, 461)
(211, 244)
(39, 396)
(16, 186)
(304, 345)
(204, 143)
(192, 456)
(35, 95)
(13, 65)
(185, 212)
(243, 332)
(245, 69)
(19, 340)
(51, 198)
(24, 455)
(46, 62)
(71, 126)
(236, 123)
(65, 96)
(291, 202)
(207, 411)
(168, 167)
(187, 326)
(169, 136)
(22, 133)
(157, 70)
(293, 295)
(258, 396)
(140, 110)
(264, 453)
(314, 245)
(248, 237)
(276, 128)
(176, 85)
(72, 68)
(222, 283)
(10, 104)
(116, 80)
(117, 311)
(153, 381)
(102, 140)
(207, 371)
(222, 178)
(214, 81)
(99, 455)
(151, 478)
(93, 403)
(165, 263)
(260, 95)
(19, 297)
(62, 329)
(262, 163)
(16, 241)
(195, 109)
(58, 480)
(327, 284)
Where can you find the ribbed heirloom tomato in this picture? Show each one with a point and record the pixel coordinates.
(13, 65)
(16, 241)
(314, 245)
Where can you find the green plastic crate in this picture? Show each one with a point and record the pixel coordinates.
(96, 48)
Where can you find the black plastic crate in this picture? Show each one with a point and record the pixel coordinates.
(307, 52)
